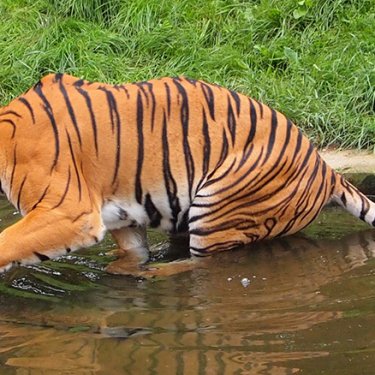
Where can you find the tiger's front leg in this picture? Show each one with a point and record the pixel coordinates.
(44, 234)
(132, 252)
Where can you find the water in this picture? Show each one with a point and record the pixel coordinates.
(307, 307)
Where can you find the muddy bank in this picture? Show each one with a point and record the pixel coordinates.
(357, 166)
(350, 161)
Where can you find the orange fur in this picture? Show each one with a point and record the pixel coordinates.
(78, 158)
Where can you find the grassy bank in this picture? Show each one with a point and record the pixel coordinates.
(312, 59)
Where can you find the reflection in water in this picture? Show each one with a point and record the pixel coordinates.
(296, 309)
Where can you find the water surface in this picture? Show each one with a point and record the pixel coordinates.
(308, 309)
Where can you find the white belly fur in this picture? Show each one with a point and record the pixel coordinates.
(135, 215)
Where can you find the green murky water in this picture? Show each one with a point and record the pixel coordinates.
(309, 309)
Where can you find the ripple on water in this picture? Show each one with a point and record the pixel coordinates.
(309, 305)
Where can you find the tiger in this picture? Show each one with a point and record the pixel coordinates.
(80, 158)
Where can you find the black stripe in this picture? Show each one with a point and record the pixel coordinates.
(48, 109)
(75, 166)
(13, 169)
(259, 186)
(210, 98)
(245, 156)
(289, 126)
(253, 123)
(41, 198)
(271, 139)
(207, 144)
(270, 194)
(260, 105)
(228, 198)
(28, 106)
(10, 122)
(123, 88)
(313, 206)
(10, 112)
(140, 86)
(70, 107)
(153, 103)
(58, 77)
(270, 224)
(302, 203)
(183, 225)
(239, 224)
(170, 183)
(168, 93)
(297, 148)
(19, 193)
(343, 199)
(365, 208)
(237, 100)
(86, 95)
(81, 215)
(109, 98)
(189, 162)
(115, 125)
(226, 245)
(231, 121)
(152, 212)
(277, 171)
(65, 191)
(191, 81)
(79, 83)
(138, 185)
(41, 257)
(218, 178)
(122, 214)
(153, 110)
(223, 154)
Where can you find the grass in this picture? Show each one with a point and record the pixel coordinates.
(314, 60)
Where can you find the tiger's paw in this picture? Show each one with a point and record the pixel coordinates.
(118, 253)
(126, 268)
(119, 267)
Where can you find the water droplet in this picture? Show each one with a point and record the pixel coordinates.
(245, 282)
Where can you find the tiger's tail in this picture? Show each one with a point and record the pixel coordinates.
(350, 198)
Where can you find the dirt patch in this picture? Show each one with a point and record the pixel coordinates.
(350, 161)
(357, 166)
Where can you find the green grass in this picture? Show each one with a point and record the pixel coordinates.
(314, 60)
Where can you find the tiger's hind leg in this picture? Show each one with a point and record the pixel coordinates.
(218, 223)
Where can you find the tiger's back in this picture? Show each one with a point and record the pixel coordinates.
(173, 153)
